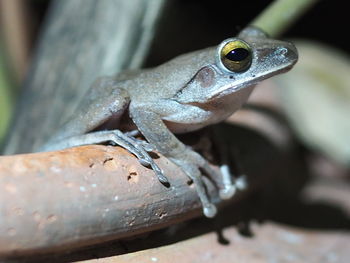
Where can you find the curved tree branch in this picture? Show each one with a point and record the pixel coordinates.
(68, 199)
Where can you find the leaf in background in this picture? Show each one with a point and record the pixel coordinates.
(316, 98)
(5, 98)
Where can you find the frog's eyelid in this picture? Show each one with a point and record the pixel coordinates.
(253, 32)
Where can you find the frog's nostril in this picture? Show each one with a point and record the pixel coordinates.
(282, 51)
(287, 51)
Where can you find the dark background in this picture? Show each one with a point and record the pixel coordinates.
(193, 24)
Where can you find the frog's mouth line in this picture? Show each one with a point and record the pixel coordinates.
(227, 89)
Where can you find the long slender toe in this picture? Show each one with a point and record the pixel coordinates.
(227, 192)
(144, 162)
(162, 178)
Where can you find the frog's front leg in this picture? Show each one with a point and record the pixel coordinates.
(157, 134)
(97, 109)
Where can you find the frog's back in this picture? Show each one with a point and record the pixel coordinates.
(164, 80)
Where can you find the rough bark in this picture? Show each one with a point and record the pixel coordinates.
(65, 200)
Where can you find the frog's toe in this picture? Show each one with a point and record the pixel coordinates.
(163, 179)
(144, 162)
(209, 210)
(159, 172)
(227, 192)
(241, 182)
(147, 146)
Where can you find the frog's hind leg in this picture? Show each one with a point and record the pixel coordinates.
(192, 171)
(230, 187)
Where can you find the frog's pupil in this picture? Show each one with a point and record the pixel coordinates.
(237, 54)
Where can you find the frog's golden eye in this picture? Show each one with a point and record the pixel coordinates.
(236, 56)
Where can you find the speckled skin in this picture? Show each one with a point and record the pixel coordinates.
(185, 94)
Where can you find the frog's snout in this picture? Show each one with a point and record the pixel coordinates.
(289, 52)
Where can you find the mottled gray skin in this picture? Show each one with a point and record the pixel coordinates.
(185, 94)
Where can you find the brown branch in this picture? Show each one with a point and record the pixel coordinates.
(87, 195)
(80, 196)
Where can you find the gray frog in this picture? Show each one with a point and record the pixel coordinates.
(185, 94)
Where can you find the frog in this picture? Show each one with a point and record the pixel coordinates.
(185, 94)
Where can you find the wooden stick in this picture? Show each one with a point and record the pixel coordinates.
(69, 199)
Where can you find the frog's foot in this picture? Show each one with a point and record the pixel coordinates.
(230, 188)
(190, 162)
(137, 147)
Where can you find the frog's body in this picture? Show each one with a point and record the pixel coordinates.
(185, 94)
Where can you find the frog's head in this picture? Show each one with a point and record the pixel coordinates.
(240, 62)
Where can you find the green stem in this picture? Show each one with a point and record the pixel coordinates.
(5, 97)
(280, 15)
